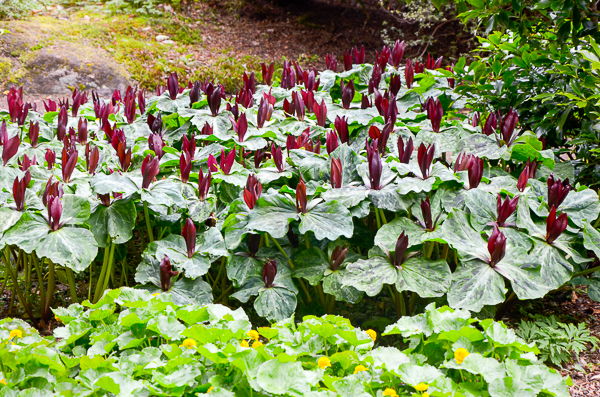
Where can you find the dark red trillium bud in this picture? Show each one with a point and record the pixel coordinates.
(425, 158)
(269, 272)
(395, 84)
(555, 226)
(505, 209)
(409, 74)
(194, 93)
(451, 80)
(496, 246)
(253, 244)
(142, 101)
(288, 76)
(50, 106)
(19, 187)
(240, 127)
(277, 157)
(34, 133)
(212, 163)
(375, 79)
(64, 103)
(189, 234)
(289, 108)
(69, 161)
(129, 102)
(475, 172)
(321, 113)
(27, 162)
(475, 120)
(156, 144)
(267, 72)
(523, 178)
(227, 161)
(252, 191)
(533, 166)
(91, 159)
(52, 190)
(11, 146)
(557, 191)
(82, 131)
(189, 145)
(244, 98)
(185, 166)
(299, 106)
(365, 103)
(155, 123)
(507, 127)
(404, 152)
(427, 222)
(124, 155)
(434, 113)
(336, 173)
(301, 199)
(347, 60)
(104, 199)
(214, 100)
(207, 129)
(50, 158)
(463, 162)
(347, 93)
(150, 168)
(203, 185)
(259, 156)
(397, 53)
(400, 251)
(341, 128)
(338, 256)
(358, 56)
(331, 62)
(381, 60)
(310, 80)
(491, 123)
(160, 89)
(15, 103)
(419, 68)
(375, 168)
(166, 273)
(249, 82)
(265, 111)
(434, 64)
(55, 210)
(79, 98)
(332, 142)
(173, 86)
(63, 119)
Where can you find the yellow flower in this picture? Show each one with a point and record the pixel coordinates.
(3, 382)
(425, 394)
(360, 368)
(256, 344)
(460, 355)
(57, 319)
(16, 333)
(156, 294)
(209, 389)
(244, 344)
(422, 386)
(390, 392)
(324, 362)
(372, 334)
(189, 343)
(253, 334)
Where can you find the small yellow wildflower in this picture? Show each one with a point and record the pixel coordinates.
(3, 382)
(209, 389)
(360, 368)
(256, 344)
(16, 333)
(189, 343)
(390, 392)
(460, 354)
(253, 334)
(156, 294)
(57, 319)
(425, 394)
(372, 334)
(324, 362)
(244, 344)
(422, 386)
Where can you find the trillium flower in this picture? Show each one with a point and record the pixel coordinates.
(227, 161)
(207, 129)
(299, 106)
(50, 106)
(240, 127)
(34, 133)
(375, 79)
(214, 99)
(150, 168)
(252, 191)
(129, 102)
(142, 101)
(397, 53)
(277, 157)
(331, 62)
(347, 93)
(434, 113)
(387, 107)
(336, 173)
(427, 223)
(189, 145)
(507, 128)
(185, 166)
(156, 144)
(404, 152)
(253, 244)
(52, 189)
(244, 98)
(338, 256)
(409, 73)
(188, 232)
(249, 82)
(27, 162)
(265, 110)
(155, 123)
(267, 72)
(476, 119)
(332, 142)
(555, 225)
(433, 64)
(311, 83)
(203, 184)
(505, 210)
(358, 56)
(55, 210)
(523, 178)
(365, 103)
(69, 161)
(375, 169)
(166, 272)
(395, 84)
(475, 172)
(496, 246)
(10, 146)
(288, 76)
(82, 131)
(124, 155)
(347, 60)
(381, 60)
(557, 191)
(91, 159)
(269, 272)
(321, 113)
(19, 188)
(341, 128)
(451, 80)
(63, 119)
(301, 199)
(533, 166)
(463, 162)
(425, 158)
(50, 157)
(173, 86)
(79, 98)
(259, 156)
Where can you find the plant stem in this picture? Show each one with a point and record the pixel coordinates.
(445, 251)
(109, 267)
(147, 218)
(321, 295)
(331, 305)
(584, 272)
(597, 223)
(411, 302)
(382, 216)
(72, 286)
(400, 303)
(100, 281)
(377, 218)
(228, 290)
(219, 272)
(15, 280)
(430, 245)
(50, 292)
(292, 266)
(40, 276)
(307, 240)
(267, 240)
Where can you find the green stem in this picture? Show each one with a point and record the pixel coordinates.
(40, 276)
(307, 240)
(377, 218)
(321, 295)
(411, 302)
(100, 281)
(429, 251)
(584, 272)
(400, 303)
(220, 271)
(267, 240)
(331, 305)
(228, 290)
(124, 265)
(109, 267)
(382, 216)
(596, 223)
(147, 218)
(50, 292)
(4, 284)
(15, 280)
(72, 286)
(90, 283)
(292, 266)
